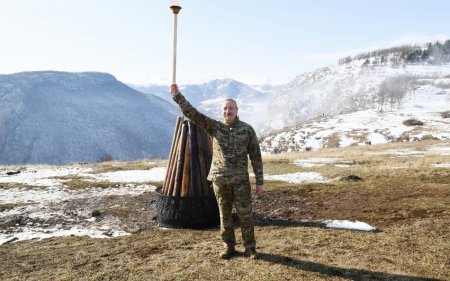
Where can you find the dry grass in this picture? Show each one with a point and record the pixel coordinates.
(404, 197)
(332, 141)
(412, 122)
(113, 166)
(9, 185)
(83, 184)
(9, 206)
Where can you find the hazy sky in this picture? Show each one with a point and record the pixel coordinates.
(251, 41)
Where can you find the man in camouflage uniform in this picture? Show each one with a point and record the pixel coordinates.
(233, 143)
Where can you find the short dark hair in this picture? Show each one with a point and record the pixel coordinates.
(235, 103)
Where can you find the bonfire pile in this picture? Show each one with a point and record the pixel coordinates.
(189, 162)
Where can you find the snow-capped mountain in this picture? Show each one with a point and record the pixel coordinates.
(362, 101)
(375, 80)
(378, 79)
(394, 94)
(347, 88)
(58, 117)
(208, 98)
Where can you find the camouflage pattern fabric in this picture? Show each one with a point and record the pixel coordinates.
(241, 195)
(233, 145)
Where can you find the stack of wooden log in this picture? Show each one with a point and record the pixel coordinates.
(189, 162)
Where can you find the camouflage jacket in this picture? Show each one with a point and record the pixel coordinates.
(232, 146)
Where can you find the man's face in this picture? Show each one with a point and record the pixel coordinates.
(229, 111)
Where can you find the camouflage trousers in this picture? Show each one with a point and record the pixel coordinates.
(239, 194)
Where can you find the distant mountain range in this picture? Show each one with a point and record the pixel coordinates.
(59, 117)
(208, 97)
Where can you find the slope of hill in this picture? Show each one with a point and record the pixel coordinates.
(396, 94)
(422, 114)
(351, 87)
(58, 117)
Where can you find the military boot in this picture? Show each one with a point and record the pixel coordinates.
(228, 252)
(251, 253)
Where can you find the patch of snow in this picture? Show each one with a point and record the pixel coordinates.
(152, 175)
(376, 138)
(314, 162)
(44, 176)
(345, 224)
(438, 148)
(298, 177)
(347, 141)
(401, 153)
(441, 165)
(26, 233)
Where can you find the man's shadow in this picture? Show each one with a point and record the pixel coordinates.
(347, 273)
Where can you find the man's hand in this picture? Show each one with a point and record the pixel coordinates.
(259, 189)
(174, 90)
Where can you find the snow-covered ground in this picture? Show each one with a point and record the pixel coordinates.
(36, 203)
(38, 207)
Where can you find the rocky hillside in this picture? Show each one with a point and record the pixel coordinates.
(59, 117)
(423, 113)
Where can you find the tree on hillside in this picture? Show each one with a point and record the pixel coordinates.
(414, 57)
(437, 53)
(392, 90)
(366, 63)
(345, 60)
(426, 53)
(434, 53)
(382, 94)
(446, 50)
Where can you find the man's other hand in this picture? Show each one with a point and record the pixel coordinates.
(259, 189)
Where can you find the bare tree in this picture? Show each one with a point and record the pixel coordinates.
(392, 90)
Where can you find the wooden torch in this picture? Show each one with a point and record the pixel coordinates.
(175, 10)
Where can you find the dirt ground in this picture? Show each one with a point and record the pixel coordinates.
(292, 240)
(410, 209)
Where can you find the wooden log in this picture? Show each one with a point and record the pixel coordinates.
(175, 189)
(194, 165)
(185, 180)
(208, 150)
(172, 154)
(208, 157)
(172, 168)
(202, 162)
